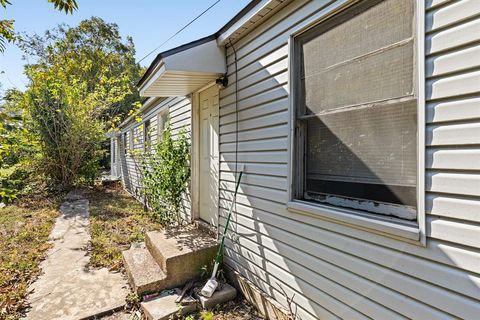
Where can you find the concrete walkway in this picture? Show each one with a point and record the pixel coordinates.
(66, 289)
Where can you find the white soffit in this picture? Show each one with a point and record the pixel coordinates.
(181, 71)
(263, 10)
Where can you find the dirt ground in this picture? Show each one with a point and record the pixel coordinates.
(239, 309)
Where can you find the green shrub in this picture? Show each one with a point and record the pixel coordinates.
(165, 175)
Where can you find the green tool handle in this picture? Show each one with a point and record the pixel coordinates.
(219, 252)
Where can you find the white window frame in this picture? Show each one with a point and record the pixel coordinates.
(410, 232)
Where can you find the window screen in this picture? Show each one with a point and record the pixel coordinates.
(162, 121)
(358, 110)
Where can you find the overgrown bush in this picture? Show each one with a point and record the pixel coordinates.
(18, 151)
(165, 175)
(12, 181)
(81, 84)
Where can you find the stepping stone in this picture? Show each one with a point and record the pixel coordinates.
(165, 307)
(224, 293)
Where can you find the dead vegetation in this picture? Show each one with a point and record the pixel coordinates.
(24, 231)
(238, 309)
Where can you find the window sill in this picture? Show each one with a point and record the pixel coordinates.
(357, 219)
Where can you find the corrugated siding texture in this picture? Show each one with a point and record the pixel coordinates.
(179, 110)
(333, 270)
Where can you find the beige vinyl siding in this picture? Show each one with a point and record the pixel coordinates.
(179, 110)
(333, 270)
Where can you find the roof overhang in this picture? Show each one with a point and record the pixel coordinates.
(255, 13)
(183, 70)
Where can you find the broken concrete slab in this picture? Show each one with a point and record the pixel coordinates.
(67, 289)
(224, 293)
(164, 307)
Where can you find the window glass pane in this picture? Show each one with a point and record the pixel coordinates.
(372, 78)
(368, 57)
(375, 145)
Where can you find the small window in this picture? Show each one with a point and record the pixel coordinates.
(125, 144)
(147, 135)
(131, 140)
(162, 121)
(114, 156)
(356, 110)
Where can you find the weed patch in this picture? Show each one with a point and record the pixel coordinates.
(116, 221)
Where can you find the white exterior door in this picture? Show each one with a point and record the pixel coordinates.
(209, 159)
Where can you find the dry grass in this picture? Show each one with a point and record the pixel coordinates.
(24, 231)
(116, 221)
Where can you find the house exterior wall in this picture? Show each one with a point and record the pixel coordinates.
(179, 110)
(334, 270)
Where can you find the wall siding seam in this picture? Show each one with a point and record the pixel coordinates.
(473, 119)
(452, 24)
(430, 5)
(454, 49)
(451, 74)
(221, 197)
(264, 90)
(259, 117)
(269, 108)
(224, 113)
(274, 188)
(269, 126)
(232, 81)
(433, 41)
(250, 86)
